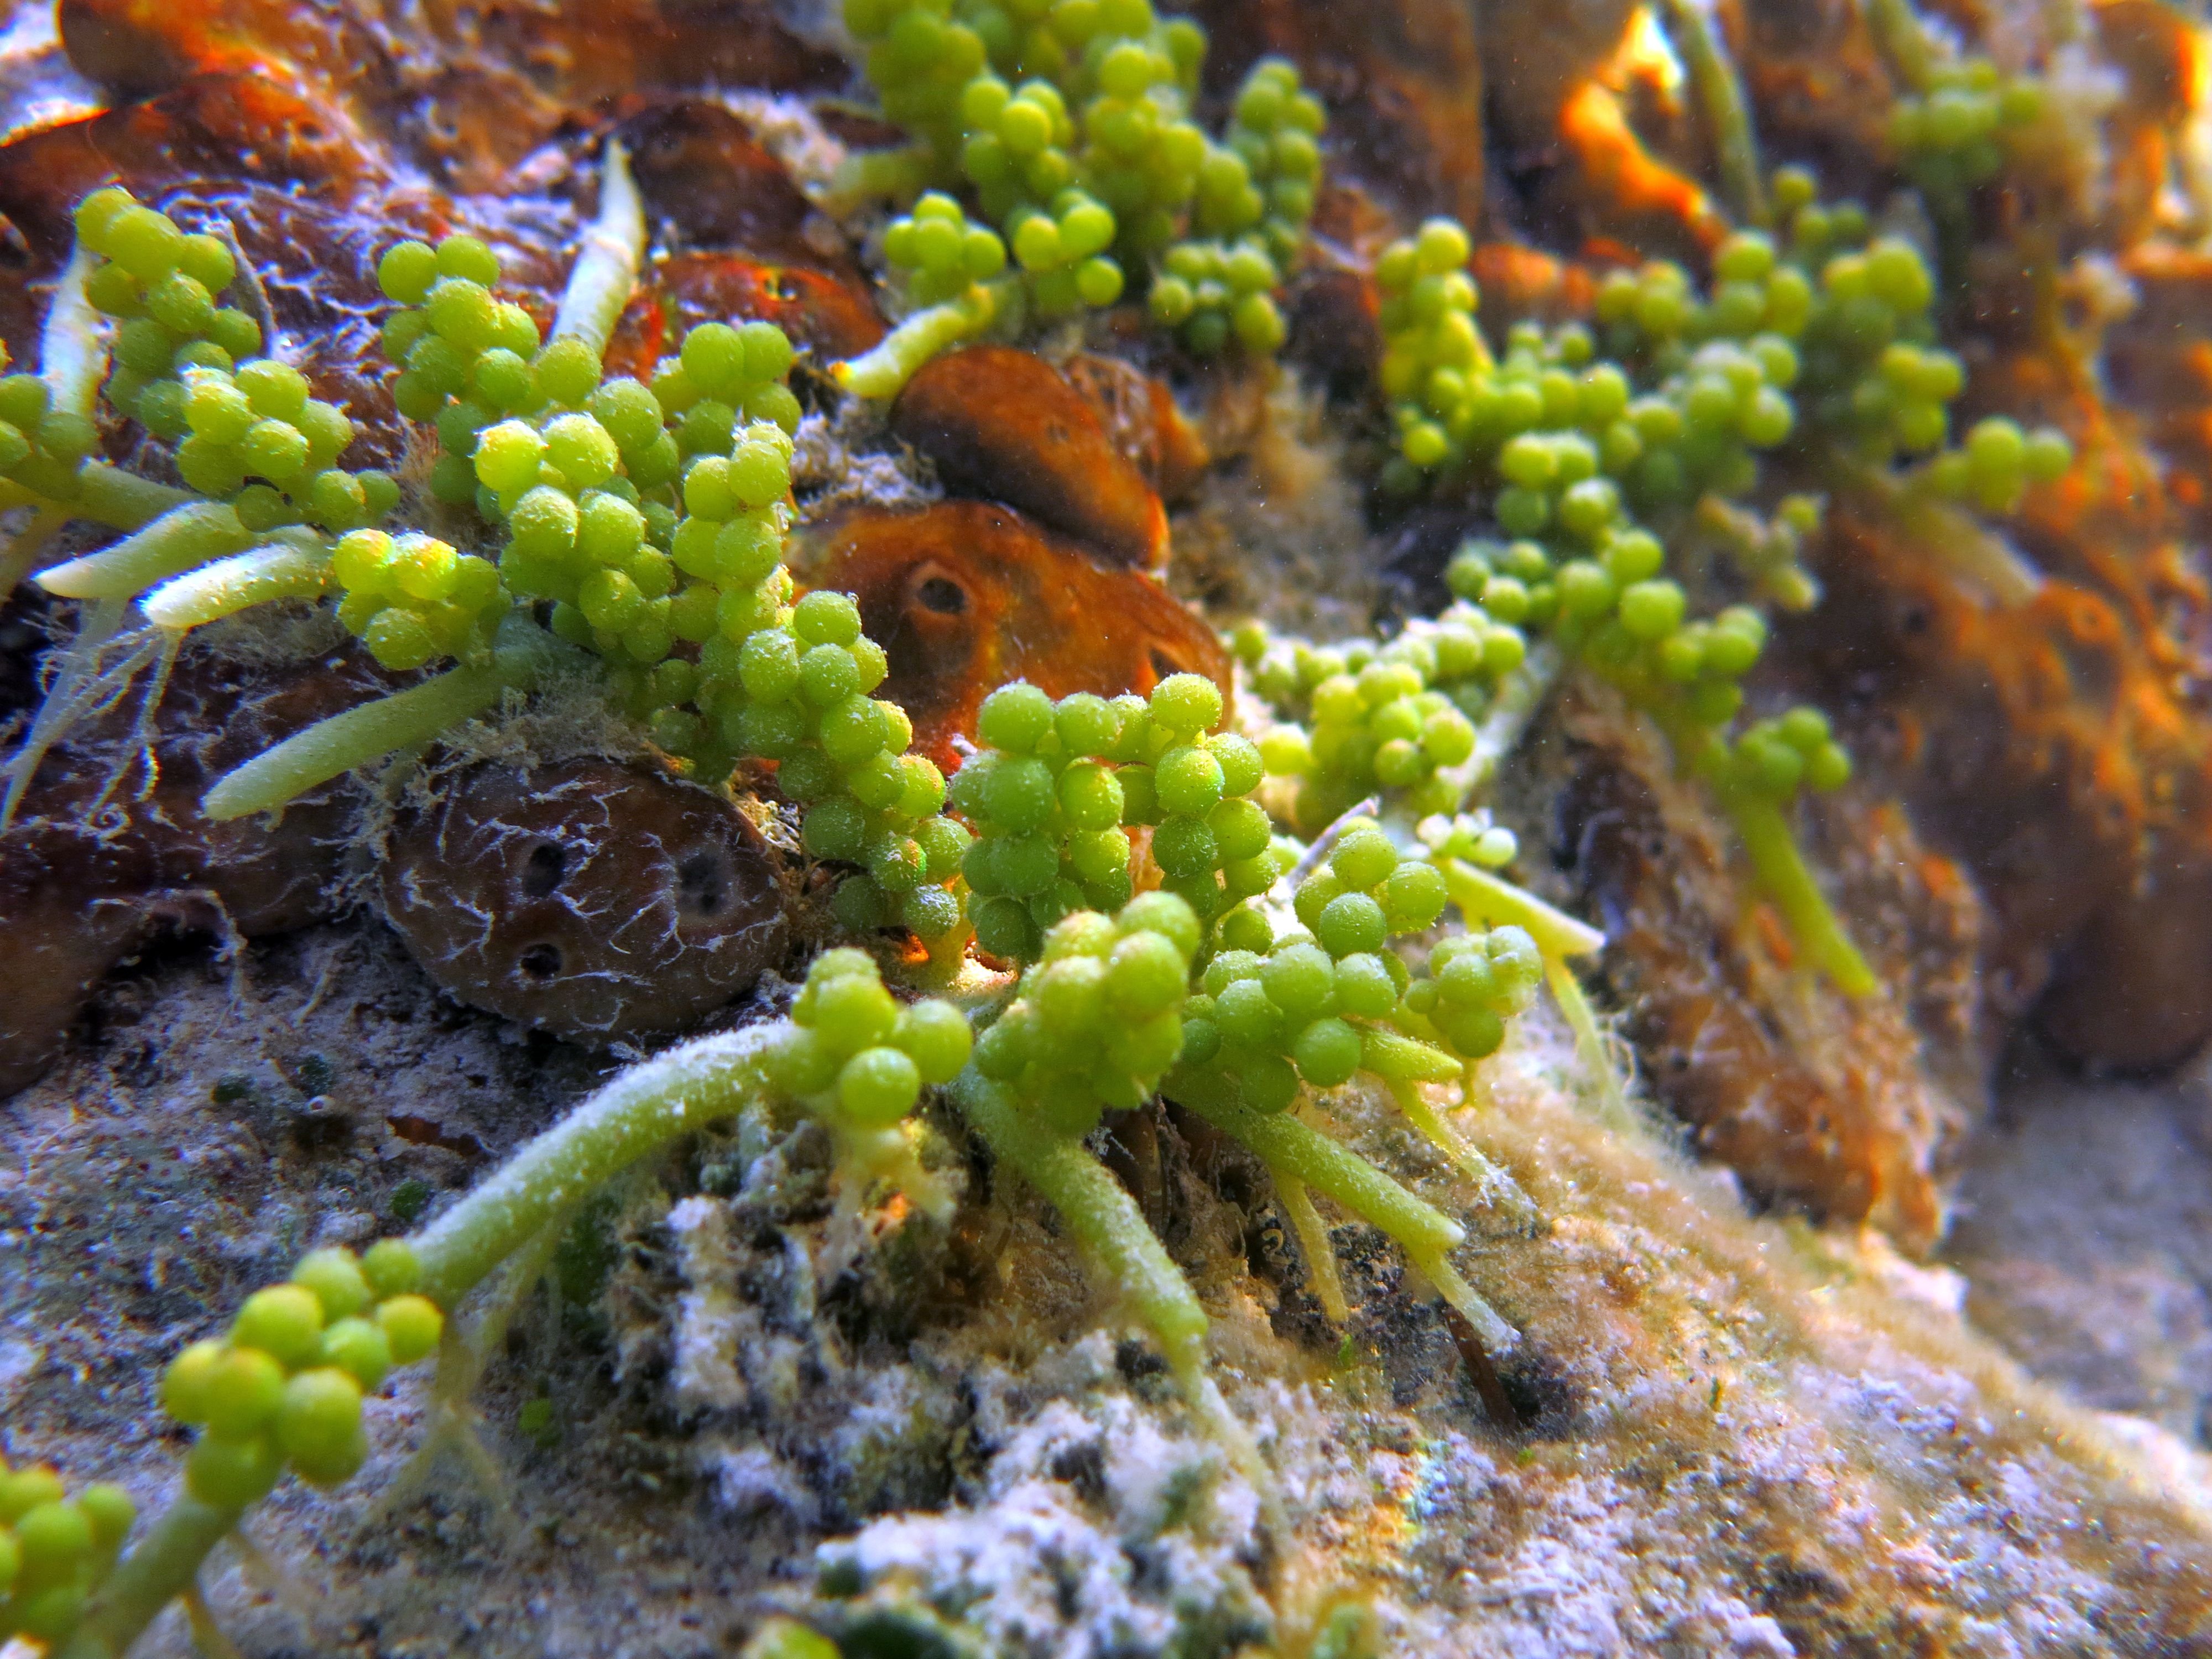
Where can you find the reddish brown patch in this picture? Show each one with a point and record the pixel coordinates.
(1005, 425)
(965, 596)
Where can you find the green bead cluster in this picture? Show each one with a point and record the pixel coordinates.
(411, 598)
(1141, 153)
(1997, 463)
(1360, 717)
(856, 1057)
(919, 60)
(164, 287)
(41, 447)
(1060, 786)
(1562, 431)
(1070, 44)
(285, 1386)
(54, 1549)
(940, 251)
(1072, 127)
(246, 428)
(1319, 1002)
(1769, 550)
(1098, 1019)
(1472, 984)
(1955, 132)
(1253, 200)
(1774, 757)
(794, 686)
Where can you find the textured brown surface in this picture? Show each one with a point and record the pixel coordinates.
(588, 899)
(964, 596)
(80, 888)
(1005, 425)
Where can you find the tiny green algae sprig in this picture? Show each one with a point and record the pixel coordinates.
(1069, 130)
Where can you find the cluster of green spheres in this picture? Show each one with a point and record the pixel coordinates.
(1774, 758)
(284, 1386)
(1096, 1020)
(1956, 132)
(940, 251)
(1059, 786)
(411, 598)
(41, 447)
(54, 1549)
(1071, 122)
(247, 429)
(1254, 199)
(1361, 717)
(855, 1055)
(1313, 1003)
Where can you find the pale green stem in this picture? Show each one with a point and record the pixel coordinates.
(1903, 41)
(360, 737)
(1728, 114)
(164, 1565)
(296, 567)
(1484, 898)
(73, 348)
(1945, 532)
(32, 540)
(1496, 1185)
(179, 540)
(1787, 881)
(109, 495)
(105, 495)
(1099, 1211)
(636, 1113)
(76, 692)
(1613, 1110)
(605, 272)
(1287, 1147)
(878, 374)
(1113, 1233)
(1328, 1284)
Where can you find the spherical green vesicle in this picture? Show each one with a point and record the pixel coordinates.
(1186, 704)
(412, 1324)
(936, 1035)
(879, 1086)
(227, 1474)
(337, 1280)
(243, 1390)
(51, 1542)
(1015, 718)
(319, 1422)
(582, 450)
(406, 272)
(284, 1321)
(360, 1348)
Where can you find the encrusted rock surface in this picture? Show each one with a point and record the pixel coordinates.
(1735, 1437)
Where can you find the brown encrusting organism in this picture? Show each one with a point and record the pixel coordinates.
(589, 899)
(663, 655)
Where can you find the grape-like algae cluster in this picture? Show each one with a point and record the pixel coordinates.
(1236, 899)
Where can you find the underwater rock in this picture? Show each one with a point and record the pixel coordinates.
(107, 850)
(592, 900)
(1004, 425)
(1816, 1099)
